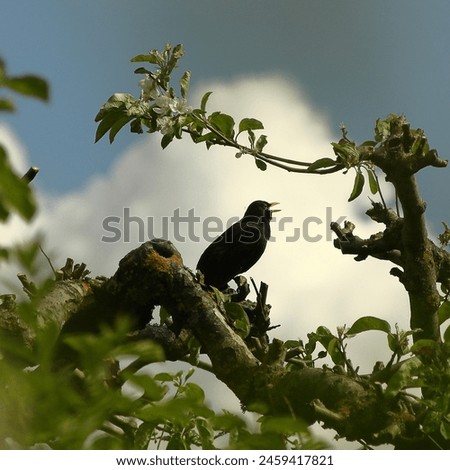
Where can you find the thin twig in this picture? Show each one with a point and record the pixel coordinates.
(30, 174)
(48, 260)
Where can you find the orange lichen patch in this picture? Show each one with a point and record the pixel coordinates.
(344, 410)
(161, 263)
(86, 286)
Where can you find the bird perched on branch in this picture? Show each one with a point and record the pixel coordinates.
(239, 247)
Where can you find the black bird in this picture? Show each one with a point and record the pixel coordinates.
(239, 247)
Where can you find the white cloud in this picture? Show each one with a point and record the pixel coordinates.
(310, 284)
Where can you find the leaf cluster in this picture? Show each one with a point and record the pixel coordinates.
(161, 109)
(110, 402)
(424, 365)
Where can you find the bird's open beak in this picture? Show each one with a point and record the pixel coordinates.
(274, 204)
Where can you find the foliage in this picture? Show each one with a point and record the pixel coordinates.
(161, 109)
(109, 402)
(423, 365)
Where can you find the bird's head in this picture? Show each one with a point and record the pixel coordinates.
(261, 209)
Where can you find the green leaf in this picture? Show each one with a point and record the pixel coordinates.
(262, 165)
(322, 163)
(235, 311)
(403, 378)
(227, 421)
(115, 128)
(224, 123)
(166, 140)
(190, 373)
(358, 186)
(7, 105)
(369, 323)
(444, 312)
(447, 335)
(239, 317)
(368, 143)
(194, 348)
(184, 83)
(373, 184)
(206, 433)
(398, 343)
(152, 390)
(152, 58)
(283, 425)
(194, 392)
(176, 442)
(4, 253)
(323, 331)
(293, 343)
(146, 350)
(425, 347)
(205, 100)
(15, 194)
(210, 136)
(144, 435)
(334, 352)
(444, 429)
(142, 70)
(330, 342)
(136, 126)
(164, 377)
(251, 138)
(248, 124)
(114, 114)
(28, 85)
(260, 143)
(118, 101)
(418, 142)
(116, 117)
(382, 129)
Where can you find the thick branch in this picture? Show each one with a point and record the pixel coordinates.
(153, 274)
(388, 246)
(419, 267)
(400, 156)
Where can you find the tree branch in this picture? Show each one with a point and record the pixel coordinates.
(400, 156)
(153, 274)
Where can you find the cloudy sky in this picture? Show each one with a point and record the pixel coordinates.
(301, 67)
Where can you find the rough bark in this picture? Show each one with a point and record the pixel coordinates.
(405, 241)
(153, 274)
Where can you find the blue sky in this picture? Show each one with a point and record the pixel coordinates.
(354, 60)
(302, 67)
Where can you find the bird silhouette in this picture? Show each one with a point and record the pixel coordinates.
(239, 247)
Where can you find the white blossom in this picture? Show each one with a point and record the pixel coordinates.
(165, 125)
(165, 105)
(182, 107)
(149, 90)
